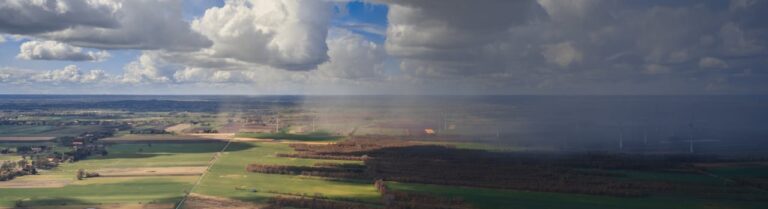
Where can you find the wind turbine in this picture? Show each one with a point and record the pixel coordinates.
(690, 140)
(277, 123)
(621, 137)
(445, 121)
(621, 140)
(645, 136)
(498, 133)
(313, 124)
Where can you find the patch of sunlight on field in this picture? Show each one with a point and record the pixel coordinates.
(103, 190)
(115, 180)
(9, 158)
(139, 190)
(228, 178)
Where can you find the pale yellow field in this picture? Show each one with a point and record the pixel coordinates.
(158, 137)
(151, 171)
(104, 206)
(179, 128)
(198, 201)
(36, 181)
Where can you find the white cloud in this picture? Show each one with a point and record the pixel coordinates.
(482, 45)
(713, 63)
(146, 69)
(153, 67)
(203, 75)
(51, 50)
(143, 24)
(562, 54)
(69, 74)
(10, 75)
(353, 57)
(287, 34)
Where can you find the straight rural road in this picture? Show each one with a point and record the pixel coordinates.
(212, 162)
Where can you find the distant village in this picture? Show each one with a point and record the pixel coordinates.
(64, 149)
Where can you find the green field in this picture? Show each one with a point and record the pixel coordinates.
(508, 199)
(46, 130)
(119, 189)
(229, 173)
(228, 178)
(669, 176)
(9, 157)
(751, 171)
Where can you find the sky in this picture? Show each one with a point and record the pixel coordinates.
(414, 47)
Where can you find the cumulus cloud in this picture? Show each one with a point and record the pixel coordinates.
(146, 69)
(453, 36)
(287, 34)
(153, 67)
(353, 57)
(51, 50)
(10, 75)
(521, 44)
(203, 75)
(105, 24)
(69, 74)
(487, 46)
(143, 24)
(281, 35)
(353, 60)
(562, 54)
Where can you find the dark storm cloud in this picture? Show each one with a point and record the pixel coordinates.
(104, 24)
(451, 36)
(584, 46)
(31, 17)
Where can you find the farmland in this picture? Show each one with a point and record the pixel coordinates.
(102, 190)
(316, 136)
(279, 154)
(10, 131)
(489, 198)
(228, 178)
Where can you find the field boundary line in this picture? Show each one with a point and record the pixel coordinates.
(200, 179)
